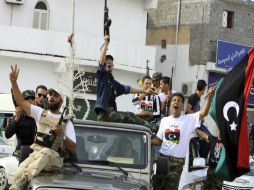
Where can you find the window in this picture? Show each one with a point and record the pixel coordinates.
(163, 44)
(120, 148)
(227, 19)
(41, 16)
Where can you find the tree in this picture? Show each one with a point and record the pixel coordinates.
(72, 72)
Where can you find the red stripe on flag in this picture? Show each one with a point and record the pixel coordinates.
(243, 146)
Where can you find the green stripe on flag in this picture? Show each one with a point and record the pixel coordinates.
(212, 111)
(222, 169)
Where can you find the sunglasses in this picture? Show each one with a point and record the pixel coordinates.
(42, 95)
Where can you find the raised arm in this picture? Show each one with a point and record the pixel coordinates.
(206, 108)
(137, 91)
(25, 105)
(156, 141)
(104, 50)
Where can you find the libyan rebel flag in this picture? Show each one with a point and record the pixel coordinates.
(229, 110)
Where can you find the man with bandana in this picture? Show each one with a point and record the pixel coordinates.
(49, 128)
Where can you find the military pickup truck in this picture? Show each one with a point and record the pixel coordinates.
(109, 156)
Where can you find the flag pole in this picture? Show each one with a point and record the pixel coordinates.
(73, 15)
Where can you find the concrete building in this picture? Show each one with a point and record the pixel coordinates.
(195, 26)
(34, 36)
(185, 34)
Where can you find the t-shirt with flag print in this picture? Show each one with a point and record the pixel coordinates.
(175, 134)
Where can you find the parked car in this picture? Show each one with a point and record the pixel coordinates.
(5, 154)
(5, 149)
(8, 166)
(245, 182)
(109, 156)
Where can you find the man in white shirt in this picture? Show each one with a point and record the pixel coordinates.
(175, 132)
(50, 130)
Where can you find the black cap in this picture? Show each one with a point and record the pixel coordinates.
(28, 93)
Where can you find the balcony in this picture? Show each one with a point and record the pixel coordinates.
(53, 47)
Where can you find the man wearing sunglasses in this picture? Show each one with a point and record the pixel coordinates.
(41, 96)
(23, 126)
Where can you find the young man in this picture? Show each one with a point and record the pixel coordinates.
(165, 95)
(107, 91)
(175, 132)
(41, 96)
(193, 106)
(148, 106)
(49, 132)
(156, 81)
(23, 126)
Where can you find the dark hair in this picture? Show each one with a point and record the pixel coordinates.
(41, 86)
(109, 57)
(201, 85)
(177, 94)
(146, 77)
(28, 93)
(166, 80)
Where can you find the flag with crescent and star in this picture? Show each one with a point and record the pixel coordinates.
(229, 110)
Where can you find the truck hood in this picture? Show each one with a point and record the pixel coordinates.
(84, 181)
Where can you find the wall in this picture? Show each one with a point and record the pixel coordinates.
(192, 12)
(204, 18)
(40, 54)
(34, 73)
(183, 72)
(128, 17)
(127, 38)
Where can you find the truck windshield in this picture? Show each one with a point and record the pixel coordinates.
(122, 147)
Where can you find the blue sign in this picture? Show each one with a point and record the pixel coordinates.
(213, 78)
(229, 54)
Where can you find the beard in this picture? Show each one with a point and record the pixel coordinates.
(53, 106)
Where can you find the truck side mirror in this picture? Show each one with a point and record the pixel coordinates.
(198, 164)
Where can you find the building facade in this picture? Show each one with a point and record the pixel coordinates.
(185, 34)
(190, 29)
(34, 35)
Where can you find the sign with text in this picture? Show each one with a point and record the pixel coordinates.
(91, 81)
(229, 54)
(213, 78)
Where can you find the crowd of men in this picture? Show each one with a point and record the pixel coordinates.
(160, 109)
(42, 134)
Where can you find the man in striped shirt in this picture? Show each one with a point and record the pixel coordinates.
(148, 106)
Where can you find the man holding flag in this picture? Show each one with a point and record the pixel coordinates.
(229, 112)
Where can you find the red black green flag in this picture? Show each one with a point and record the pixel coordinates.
(230, 113)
